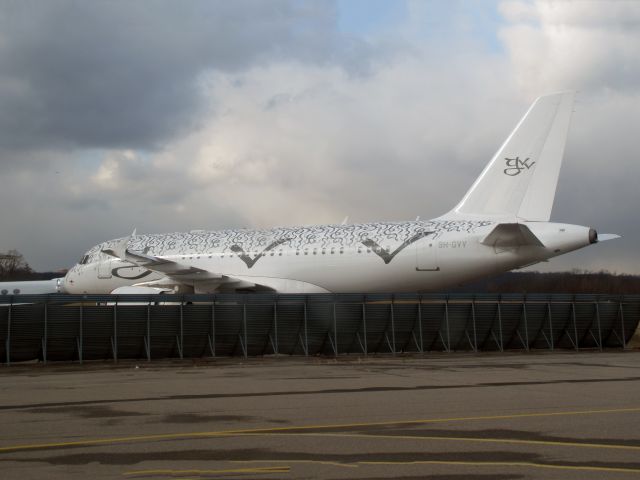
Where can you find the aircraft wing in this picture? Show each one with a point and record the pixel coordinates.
(176, 273)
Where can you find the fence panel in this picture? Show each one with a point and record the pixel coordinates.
(98, 340)
(165, 331)
(5, 333)
(70, 328)
(320, 324)
(229, 324)
(261, 329)
(132, 330)
(292, 334)
(197, 328)
(434, 324)
(63, 333)
(407, 327)
(26, 331)
(378, 319)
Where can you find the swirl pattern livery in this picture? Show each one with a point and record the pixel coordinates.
(388, 235)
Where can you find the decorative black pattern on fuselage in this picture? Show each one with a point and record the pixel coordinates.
(242, 255)
(387, 256)
(388, 236)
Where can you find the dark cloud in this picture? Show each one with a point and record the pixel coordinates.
(126, 74)
(169, 116)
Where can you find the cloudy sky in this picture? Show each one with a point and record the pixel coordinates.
(170, 116)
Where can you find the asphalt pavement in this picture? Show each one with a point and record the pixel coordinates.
(439, 416)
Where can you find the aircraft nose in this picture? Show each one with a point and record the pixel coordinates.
(68, 283)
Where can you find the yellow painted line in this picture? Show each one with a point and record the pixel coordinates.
(180, 473)
(510, 464)
(286, 469)
(456, 439)
(222, 433)
(318, 462)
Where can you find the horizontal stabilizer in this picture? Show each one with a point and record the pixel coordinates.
(511, 235)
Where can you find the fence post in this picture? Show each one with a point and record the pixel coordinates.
(393, 329)
(306, 337)
(335, 330)
(500, 324)
(181, 339)
(44, 340)
(420, 324)
(7, 348)
(526, 326)
(446, 318)
(81, 334)
(114, 339)
(550, 325)
(624, 338)
(212, 337)
(244, 322)
(599, 330)
(473, 318)
(575, 327)
(147, 340)
(275, 328)
(364, 328)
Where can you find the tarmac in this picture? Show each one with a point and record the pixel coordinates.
(445, 416)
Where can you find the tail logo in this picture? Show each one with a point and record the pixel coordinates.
(515, 166)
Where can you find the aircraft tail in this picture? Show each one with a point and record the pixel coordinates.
(520, 180)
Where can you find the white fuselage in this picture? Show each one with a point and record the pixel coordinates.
(375, 257)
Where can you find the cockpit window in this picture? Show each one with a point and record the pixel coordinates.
(84, 260)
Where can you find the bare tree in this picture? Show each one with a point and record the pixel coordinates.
(12, 265)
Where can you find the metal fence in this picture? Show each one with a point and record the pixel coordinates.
(92, 327)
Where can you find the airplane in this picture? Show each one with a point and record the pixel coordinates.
(502, 223)
(32, 287)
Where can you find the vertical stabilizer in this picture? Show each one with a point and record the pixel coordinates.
(520, 180)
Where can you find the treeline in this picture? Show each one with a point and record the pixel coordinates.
(557, 282)
(14, 268)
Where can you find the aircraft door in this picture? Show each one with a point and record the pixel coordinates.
(104, 268)
(426, 256)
